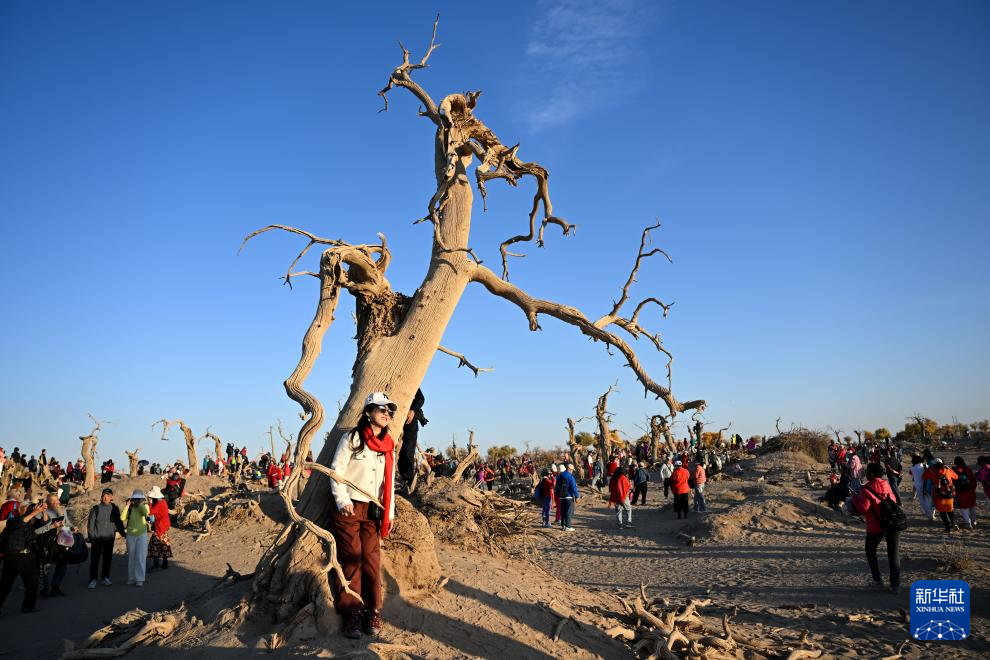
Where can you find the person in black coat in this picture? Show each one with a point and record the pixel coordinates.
(410, 435)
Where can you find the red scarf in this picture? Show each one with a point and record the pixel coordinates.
(385, 446)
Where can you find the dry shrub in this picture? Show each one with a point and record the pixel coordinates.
(954, 558)
(800, 440)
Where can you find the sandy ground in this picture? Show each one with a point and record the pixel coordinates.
(783, 563)
(786, 570)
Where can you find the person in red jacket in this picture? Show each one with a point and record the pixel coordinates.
(620, 495)
(965, 491)
(274, 474)
(159, 549)
(867, 503)
(679, 486)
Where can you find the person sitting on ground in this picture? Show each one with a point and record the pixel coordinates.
(620, 491)
(867, 502)
(679, 487)
(838, 492)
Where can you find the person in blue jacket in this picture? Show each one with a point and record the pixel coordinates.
(567, 496)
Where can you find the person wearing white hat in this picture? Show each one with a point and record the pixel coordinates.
(159, 548)
(366, 458)
(135, 515)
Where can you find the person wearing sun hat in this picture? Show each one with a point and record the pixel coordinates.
(135, 515)
(159, 548)
(366, 458)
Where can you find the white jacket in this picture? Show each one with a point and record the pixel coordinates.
(666, 471)
(364, 468)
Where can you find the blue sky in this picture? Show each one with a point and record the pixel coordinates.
(820, 169)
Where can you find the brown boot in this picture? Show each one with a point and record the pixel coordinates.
(352, 624)
(372, 622)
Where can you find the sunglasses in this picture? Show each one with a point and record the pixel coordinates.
(384, 409)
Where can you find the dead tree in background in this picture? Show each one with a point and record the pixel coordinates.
(187, 436)
(574, 447)
(398, 335)
(603, 417)
(89, 451)
(132, 460)
(699, 426)
(660, 431)
(217, 445)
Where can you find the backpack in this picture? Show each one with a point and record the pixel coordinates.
(963, 482)
(943, 489)
(78, 553)
(892, 516)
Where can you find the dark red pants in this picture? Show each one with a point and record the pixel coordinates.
(359, 553)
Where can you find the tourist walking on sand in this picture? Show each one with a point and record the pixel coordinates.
(666, 469)
(944, 494)
(965, 492)
(867, 503)
(567, 496)
(159, 548)
(366, 458)
(135, 515)
(620, 491)
(545, 490)
(102, 527)
(640, 478)
(679, 487)
(983, 474)
(698, 479)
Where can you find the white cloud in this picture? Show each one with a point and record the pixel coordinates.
(587, 56)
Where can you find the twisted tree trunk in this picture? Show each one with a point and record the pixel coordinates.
(132, 459)
(575, 448)
(397, 335)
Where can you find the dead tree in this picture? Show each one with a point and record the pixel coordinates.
(574, 447)
(132, 459)
(89, 451)
(718, 440)
(699, 426)
(217, 445)
(398, 335)
(660, 430)
(604, 417)
(287, 440)
(187, 435)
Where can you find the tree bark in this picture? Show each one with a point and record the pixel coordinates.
(132, 459)
(604, 433)
(89, 455)
(575, 448)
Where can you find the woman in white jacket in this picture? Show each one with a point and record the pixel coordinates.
(366, 458)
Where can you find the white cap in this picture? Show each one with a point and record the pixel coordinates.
(379, 399)
(677, 462)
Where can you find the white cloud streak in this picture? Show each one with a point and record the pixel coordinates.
(587, 56)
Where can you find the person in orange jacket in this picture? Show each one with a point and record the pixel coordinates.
(679, 486)
(944, 493)
(620, 491)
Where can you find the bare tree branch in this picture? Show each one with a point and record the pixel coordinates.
(401, 77)
(463, 361)
(533, 307)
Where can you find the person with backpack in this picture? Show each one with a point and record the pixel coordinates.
(640, 479)
(18, 557)
(876, 503)
(666, 469)
(944, 494)
(619, 490)
(102, 527)
(965, 491)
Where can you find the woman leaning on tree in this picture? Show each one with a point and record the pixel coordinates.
(366, 458)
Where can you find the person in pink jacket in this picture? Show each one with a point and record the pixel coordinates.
(867, 503)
